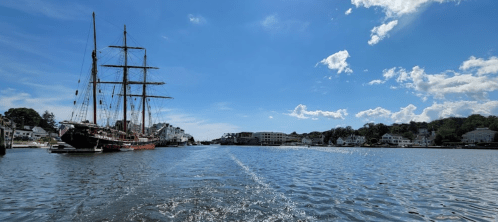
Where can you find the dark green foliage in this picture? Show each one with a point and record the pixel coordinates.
(334, 134)
(438, 140)
(48, 122)
(373, 132)
(24, 117)
(409, 135)
(29, 117)
(449, 130)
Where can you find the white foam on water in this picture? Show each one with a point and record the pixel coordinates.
(290, 206)
(129, 190)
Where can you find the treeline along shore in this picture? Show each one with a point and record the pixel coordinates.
(474, 131)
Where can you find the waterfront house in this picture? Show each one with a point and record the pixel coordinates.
(355, 140)
(479, 135)
(404, 142)
(421, 140)
(292, 138)
(340, 141)
(307, 141)
(391, 138)
(317, 140)
(423, 132)
(38, 132)
(23, 133)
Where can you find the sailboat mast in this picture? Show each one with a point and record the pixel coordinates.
(143, 92)
(94, 72)
(125, 79)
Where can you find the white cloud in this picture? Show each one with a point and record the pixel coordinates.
(348, 11)
(53, 9)
(275, 25)
(199, 129)
(12, 98)
(489, 66)
(224, 106)
(380, 32)
(433, 112)
(198, 20)
(389, 73)
(301, 112)
(377, 112)
(270, 117)
(337, 61)
(405, 114)
(440, 85)
(395, 8)
(375, 82)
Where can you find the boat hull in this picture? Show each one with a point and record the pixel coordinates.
(80, 139)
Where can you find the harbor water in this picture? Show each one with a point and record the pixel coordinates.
(243, 183)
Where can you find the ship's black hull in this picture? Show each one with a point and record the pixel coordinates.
(79, 138)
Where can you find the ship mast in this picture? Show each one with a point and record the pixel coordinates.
(143, 92)
(125, 81)
(94, 72)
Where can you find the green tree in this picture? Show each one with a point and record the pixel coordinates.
(438, 140)
(409, 135)
(413, 127)
(24, 117)
(48, 122)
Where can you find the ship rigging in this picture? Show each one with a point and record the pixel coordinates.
(82, 133)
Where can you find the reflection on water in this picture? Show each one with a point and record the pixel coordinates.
(251, 184)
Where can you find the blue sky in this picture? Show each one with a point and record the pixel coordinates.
(282, 66)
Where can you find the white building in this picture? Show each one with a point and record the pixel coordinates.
(23, 133)
(404, 142)
(479, 135)
(39, 132)
(306, 141)
(169, 133)
(355, 140)
(340, 141)
(391, 138)
(271, 138)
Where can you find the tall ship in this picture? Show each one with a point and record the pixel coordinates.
(122, 118)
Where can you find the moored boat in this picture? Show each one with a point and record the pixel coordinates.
(125, 134)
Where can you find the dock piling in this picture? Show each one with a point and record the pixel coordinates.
(2, 142)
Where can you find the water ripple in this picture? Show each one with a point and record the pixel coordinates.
(228, 183)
